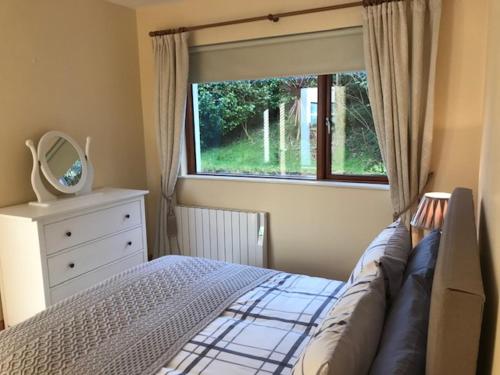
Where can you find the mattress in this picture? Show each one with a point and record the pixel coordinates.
(262, 332)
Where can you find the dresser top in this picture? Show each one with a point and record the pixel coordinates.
(63, 206)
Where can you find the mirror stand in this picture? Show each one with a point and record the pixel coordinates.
(42, 193)
(83, 186)
(87, 188)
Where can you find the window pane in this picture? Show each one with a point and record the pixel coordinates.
(355, 149)
(256, 127)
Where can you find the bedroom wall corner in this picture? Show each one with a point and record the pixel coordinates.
(489, 201)
(71, 66)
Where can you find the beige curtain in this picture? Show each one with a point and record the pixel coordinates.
(172, 66)
(400, 41)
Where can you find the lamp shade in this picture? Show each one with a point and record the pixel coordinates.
(431, 211)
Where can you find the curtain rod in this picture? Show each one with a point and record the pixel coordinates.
(270, 17)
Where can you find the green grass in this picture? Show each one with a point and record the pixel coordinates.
(362, 166)
(246, 156)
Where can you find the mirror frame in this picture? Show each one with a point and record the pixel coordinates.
(47, 171)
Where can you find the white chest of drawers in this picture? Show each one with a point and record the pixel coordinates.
(50, 253)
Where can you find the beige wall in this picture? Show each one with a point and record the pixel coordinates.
(315, 230)
(322, 230)
(459, 94)
(489, 196)
(71, 66)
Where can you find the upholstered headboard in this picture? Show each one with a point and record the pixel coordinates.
(457, 293)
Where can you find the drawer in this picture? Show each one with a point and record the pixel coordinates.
(80, 229)
(65, 266)
(89, 279)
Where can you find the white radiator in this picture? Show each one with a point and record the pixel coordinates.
(228, 235)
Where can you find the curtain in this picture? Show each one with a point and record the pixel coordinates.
(171, 68)
(400, 43)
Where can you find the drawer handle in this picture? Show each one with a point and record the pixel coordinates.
(129, 243)
(127, 216)
(68, 234)
(71, 265)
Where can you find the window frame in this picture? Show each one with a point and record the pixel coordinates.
(323, 152)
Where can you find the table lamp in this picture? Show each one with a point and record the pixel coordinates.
(431, 211)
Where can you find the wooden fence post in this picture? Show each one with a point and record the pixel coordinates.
(266, 136)
(338, 152)
(282, 140)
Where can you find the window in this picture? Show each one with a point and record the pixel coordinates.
(296, 125)
(256, 127)
(269, 128)
(351, 150)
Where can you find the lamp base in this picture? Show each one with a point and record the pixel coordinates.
(417, 234)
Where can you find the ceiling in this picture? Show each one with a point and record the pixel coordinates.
(137, 3)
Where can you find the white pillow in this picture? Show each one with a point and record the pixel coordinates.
(346, 341)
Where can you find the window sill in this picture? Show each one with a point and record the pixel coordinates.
(337, 184)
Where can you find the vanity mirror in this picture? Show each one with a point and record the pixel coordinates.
(64, 165)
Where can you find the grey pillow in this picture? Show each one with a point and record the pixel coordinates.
(391, 249)
(347, 339)
(402, 348)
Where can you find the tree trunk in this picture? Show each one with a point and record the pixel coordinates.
(245, 129)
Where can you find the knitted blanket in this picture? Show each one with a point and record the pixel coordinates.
(133, 323)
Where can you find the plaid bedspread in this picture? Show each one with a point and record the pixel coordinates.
(263, 332)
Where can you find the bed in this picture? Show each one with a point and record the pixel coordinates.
(184, 315)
